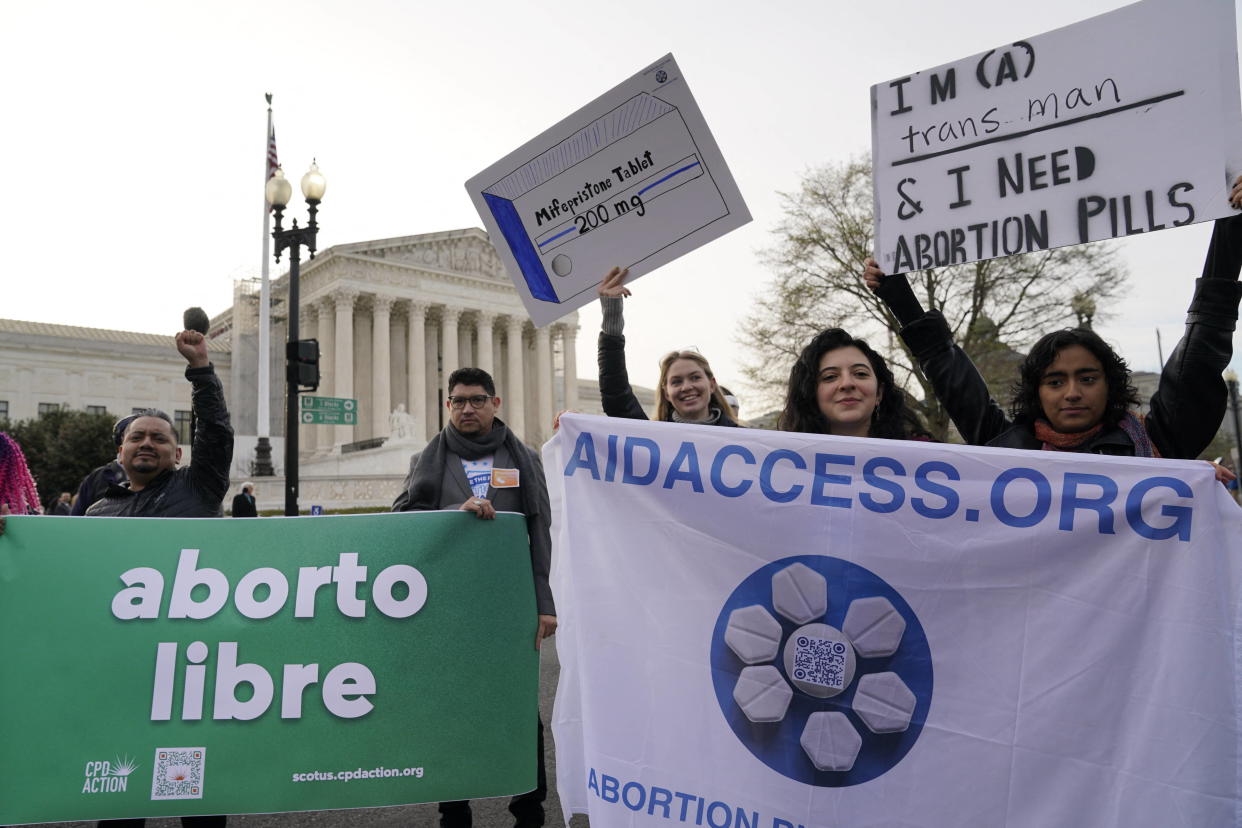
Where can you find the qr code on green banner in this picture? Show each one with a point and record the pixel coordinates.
(178, 773)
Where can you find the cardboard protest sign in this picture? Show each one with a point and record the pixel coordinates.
(174, 667)
(1125, 123)
(633, 179)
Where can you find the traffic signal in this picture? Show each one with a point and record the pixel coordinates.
(302, 359)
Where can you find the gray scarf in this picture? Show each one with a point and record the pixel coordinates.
(710, 419)
(428, 474)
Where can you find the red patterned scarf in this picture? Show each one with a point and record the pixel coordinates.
(1132, 424)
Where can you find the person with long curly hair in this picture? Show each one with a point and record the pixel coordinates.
(1073, 392)
(840, 385)
(18, 494)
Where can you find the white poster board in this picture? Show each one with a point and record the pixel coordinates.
(1125, 123)
(633, 179)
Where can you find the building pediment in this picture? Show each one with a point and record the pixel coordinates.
(463, 252)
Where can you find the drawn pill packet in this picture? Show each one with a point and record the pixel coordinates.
(637, 162)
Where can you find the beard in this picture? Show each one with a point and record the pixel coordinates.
(145, 464)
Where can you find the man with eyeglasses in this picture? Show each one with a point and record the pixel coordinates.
(477, 465)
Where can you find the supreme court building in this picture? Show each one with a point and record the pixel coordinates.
(393, 317)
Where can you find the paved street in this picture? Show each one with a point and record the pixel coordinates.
(488, 813)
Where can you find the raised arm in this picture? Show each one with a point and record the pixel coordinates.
(1190, 400)
(213, 434)
(958, 385)
(615, 392)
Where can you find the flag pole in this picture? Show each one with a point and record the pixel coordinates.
(263, 452)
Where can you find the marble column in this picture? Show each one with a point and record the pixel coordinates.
(484, 359)
(327, 366)
(396, 355)
(416, 364)
(308, 434)
(465, 341)
(448, 340)
(543, 382)
(343, 382)
(569, 351)
(381, 367)
(513, 413)
(363, 363)
(431, 362)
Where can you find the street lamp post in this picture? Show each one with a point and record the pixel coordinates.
(1231, 379)
(278, 191)
(1083, 305)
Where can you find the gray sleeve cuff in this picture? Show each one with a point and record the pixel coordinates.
(614, 321)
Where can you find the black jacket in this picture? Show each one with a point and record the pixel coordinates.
(96, 484)
(1189, 402)
(196, 490)
(243, 506)
(615, 392)
(455, 490)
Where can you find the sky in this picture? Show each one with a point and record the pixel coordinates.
(134, 138)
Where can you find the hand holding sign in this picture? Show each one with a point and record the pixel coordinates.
(481, 507)
(613, 285)
(872, 274)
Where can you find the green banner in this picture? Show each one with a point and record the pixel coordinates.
(175, 667)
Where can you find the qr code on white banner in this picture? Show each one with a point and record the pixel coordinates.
(820, 661)
(178, 773)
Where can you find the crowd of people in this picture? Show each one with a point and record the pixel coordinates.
(1073, 393)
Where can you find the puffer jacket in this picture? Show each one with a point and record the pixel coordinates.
(196, 490)
(1189, 402)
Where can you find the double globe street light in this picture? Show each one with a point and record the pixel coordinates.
(301, 355)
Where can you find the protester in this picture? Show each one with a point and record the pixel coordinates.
(156, 487)
(97, 482)
(839, 385)
(150, 455)
(18, 493)
(687, 390)
(243, 502)
(475, 464)
(62, 507)
(1073, 392)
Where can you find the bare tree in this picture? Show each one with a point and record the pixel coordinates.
(995, 308)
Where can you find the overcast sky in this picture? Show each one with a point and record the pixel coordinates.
(134, 138)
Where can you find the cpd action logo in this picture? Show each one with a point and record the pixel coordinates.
(822, 670)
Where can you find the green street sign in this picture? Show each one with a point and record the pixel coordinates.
(329, 411)
(310, 403)
(348, 418)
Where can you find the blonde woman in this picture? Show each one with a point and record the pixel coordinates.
(687, 389)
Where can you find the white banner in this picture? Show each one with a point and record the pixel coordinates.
(769, 630)
(1122, 124)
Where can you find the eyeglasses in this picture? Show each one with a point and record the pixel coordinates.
(476, 402)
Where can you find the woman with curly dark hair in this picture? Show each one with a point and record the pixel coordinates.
(1060, 414)
(1074, 392)
(840, 385)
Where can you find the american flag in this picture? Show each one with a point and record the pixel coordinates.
(272, 161)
